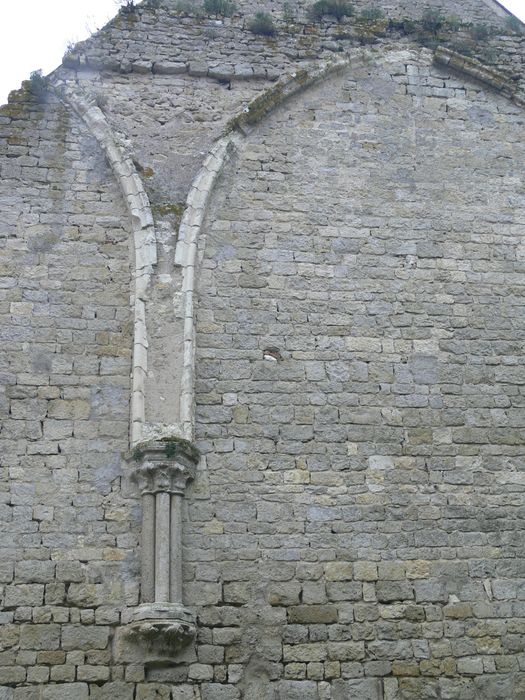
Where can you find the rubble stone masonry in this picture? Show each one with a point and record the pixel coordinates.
(289, 271)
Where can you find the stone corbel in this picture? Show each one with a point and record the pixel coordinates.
(164, 467)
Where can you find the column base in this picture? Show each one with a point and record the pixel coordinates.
(166, 627)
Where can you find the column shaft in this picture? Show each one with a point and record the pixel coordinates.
(176, 550)
(162, 547)
(147, 592)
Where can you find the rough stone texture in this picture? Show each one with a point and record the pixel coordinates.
(354, 528)
(68, 531)
(358, 241)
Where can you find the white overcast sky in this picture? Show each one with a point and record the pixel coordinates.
(35, 33)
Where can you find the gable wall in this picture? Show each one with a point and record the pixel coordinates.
(369, 230)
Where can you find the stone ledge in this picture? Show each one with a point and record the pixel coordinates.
(193, 68)
(163, 627)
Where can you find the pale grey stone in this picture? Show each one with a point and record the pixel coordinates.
(65, 691)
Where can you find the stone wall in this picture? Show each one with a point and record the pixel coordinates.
(331, 222)
(68, 531)
(364, 488)
(165, 40)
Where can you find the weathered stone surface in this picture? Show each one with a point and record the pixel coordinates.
(83, 637)
(216, 691)
(369, 688)
(312, 614)
(65, 691)
(40, 637)
(349, 259)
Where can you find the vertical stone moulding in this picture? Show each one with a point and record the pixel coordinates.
(163, 469)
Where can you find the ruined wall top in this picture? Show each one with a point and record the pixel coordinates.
(469, 10)
(181, 36)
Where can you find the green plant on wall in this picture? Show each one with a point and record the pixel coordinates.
(38, 85)
(514, 25)
(176, 210)
(262, 24)
(453, 23)
(187, 7)
(432, 21)
(288, 12)
(219, 8)
(405, 25)
(172, 447)
(128, 7)
(463, 47)
(331, 8)
(479, 32)
(372, 14)
(69, 53)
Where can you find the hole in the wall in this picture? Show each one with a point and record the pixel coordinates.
(272, 354)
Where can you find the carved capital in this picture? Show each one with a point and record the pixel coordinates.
(154, 477)
(165, 466)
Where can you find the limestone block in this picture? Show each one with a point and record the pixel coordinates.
(198, 68)
(65, 691)
(169, 67)
(40, 637)
(346, 651)
(75, 409)
(365, 688)
(338, 571)
(112, 691)
(312, 614)
(9, 635)
(24, 594)
(216, 691)
(82, 637)
(297, 690)
(365, 571)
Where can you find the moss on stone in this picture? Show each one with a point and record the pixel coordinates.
(173, 446)
(177, 209)
(258, 107)
(22, 104)
(302, 77)
(369, 30)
